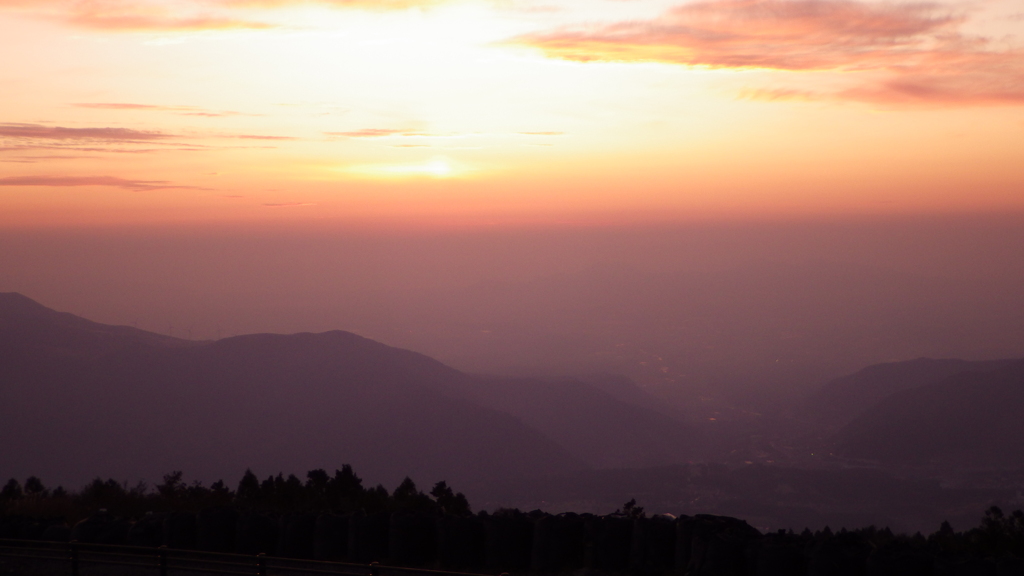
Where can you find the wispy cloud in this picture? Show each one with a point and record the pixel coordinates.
(130, 106)
(163, 16)
(777, 34)
(351, 4)
(24, 137)
(917, 47)
(108, 181)
(541, 133)
(776, 94)
(397, 132)
(144, 23)
(41, 132)
(181, 110)
(952, 79)
(260, 137)
(137, 15)
(372, 133)
(288, 204)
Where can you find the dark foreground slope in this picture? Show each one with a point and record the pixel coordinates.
(80, 399)
(969, 419)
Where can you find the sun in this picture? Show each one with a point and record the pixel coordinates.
(439, 168)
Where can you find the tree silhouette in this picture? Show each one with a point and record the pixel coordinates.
(173, 488)
(316, 487)
(407, 497)
(11, 491)
(449, 501)
(631, 510)
(34, 487)
(248, 488)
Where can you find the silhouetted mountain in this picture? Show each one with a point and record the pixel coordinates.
(972, 418)
(80, 399)
(840, 401)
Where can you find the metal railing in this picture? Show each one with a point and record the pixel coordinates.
(166, 561)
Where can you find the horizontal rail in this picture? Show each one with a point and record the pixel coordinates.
(199, 561)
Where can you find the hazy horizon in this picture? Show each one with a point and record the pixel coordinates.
(765, 307)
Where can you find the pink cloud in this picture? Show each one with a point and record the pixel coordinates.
(776, 94)
(778, 34)
(951, 78)
(914, 51)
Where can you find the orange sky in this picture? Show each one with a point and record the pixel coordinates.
(477, 112)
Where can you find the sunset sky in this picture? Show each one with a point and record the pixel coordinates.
(480, 112)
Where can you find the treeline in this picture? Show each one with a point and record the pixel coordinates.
(343, 492)
(335, 518)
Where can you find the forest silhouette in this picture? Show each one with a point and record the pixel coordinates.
(335, 518)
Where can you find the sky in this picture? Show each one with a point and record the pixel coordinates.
(469, 113)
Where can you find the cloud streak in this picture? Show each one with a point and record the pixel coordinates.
(777, 34)
(180, 16)
(41, 132)
(23, 137)
(373, 133)
(130, 106)
(917, 47)
(261, 137)
(107, 181)
(180, 110)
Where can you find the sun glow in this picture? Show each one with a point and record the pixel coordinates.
(434, 168)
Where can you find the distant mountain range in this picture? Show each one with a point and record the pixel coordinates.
(974, 418)
(927, 411)
(841, 400)
(80, 399)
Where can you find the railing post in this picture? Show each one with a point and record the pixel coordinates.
(261, 564)
(374, 568)
(163, 560)
(74, 557)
